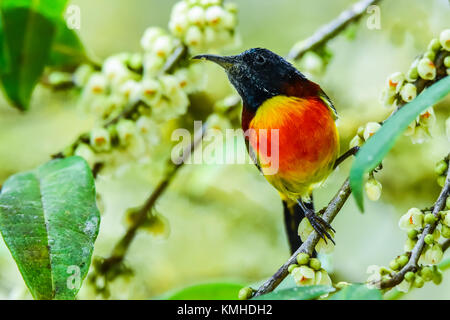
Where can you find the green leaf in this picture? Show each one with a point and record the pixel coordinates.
(376, 148)
(297, 293)
(27, 31)
(49, 220)
(67, 49)
(208, 291)
(357, 292)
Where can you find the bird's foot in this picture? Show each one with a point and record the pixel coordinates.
(320, 225)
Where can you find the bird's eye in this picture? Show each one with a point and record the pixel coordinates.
(259, 59)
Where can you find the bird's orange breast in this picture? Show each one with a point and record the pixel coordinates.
(307, 145)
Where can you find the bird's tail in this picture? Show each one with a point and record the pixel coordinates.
(293, 215)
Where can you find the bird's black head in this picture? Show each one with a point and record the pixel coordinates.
(258, 74)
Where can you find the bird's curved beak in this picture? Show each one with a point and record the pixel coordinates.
(225, 62)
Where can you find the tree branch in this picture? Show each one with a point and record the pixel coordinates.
(308, 246)
(418, 248)
(332, 29)
(121, 248)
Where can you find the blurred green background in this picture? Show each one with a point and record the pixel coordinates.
(226, 220)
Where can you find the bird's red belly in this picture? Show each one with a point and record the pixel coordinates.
(307, 144)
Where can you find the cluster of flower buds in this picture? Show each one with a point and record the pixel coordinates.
(308, 271)
(401, 89)
(204, 24)
(305, 229)
(364, 133)
(414, 222)
(132, 95)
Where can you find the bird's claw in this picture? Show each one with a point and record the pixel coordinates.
(320, 226)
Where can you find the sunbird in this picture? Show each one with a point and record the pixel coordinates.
(276, 95)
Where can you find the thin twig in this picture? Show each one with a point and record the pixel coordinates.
(420, 245)
(308, 246)
(445, 245)
(121, 248)
(332, 29)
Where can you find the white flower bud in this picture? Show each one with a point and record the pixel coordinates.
(97, 84)
(436, 234)
(126, 131)
(179, 103)
(370, 129)
(411, 129)
(373, 189)
(207, 3)
(211, 37)
(427, 118)
(196, 15)
(229, 20)
(180, 8)
(404, 286)
(325, 247)
(447, 128)
(421, 134)
(151, 91)
(163, 46)
(413, 219)
(100, 139)
(131, 90)
(408, 92)
(446, 219)
(303, 276)
(178, 25)
(145, 125)
(444, 39)
(447, 61)
(57, 78)
(230, 7)
(426, 69)
(84, 151)
(304, 229)
(149, 37)
(215, 15)
(395, 81)
(194, 37)
(152, 64)
(322, 278)
(312, 62)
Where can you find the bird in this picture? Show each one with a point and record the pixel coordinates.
(276, 95)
